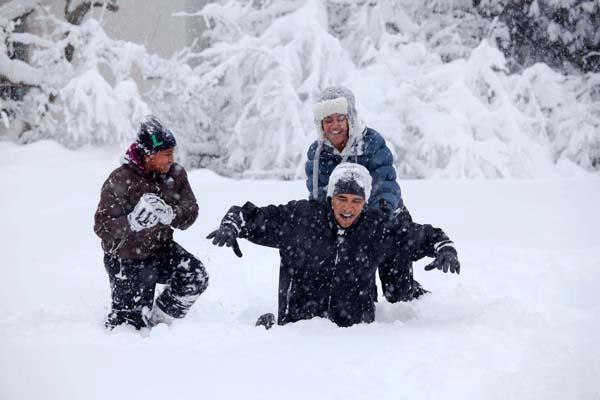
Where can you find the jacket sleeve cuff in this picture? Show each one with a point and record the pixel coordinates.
(444, 244)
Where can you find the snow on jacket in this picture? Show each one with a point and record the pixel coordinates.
(121, 192)
(327, 271)
(365, 146)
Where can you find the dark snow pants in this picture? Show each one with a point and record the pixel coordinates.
(132, 284)
(396, 272)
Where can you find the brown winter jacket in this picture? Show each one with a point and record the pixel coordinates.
(119, 195)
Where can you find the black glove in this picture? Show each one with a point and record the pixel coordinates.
(228, 231)
(445, 260)
(267, 320)
(226, 235)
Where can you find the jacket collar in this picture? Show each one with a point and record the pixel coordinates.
(134, 159)
(354, 147)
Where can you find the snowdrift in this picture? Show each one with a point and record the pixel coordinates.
(519, 322)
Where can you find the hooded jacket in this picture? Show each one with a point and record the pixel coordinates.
(121, 192)
(327, 271)
(365, 146)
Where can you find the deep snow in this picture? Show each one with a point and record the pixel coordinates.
(520, 322)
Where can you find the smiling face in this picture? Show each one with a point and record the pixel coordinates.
(160, 162)
(335, 127)
(346, 208)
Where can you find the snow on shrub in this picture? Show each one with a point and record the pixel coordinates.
(447, 105)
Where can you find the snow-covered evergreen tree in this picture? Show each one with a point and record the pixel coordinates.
(561, 33)
(81, 87)
(423, 73)
(261, 73)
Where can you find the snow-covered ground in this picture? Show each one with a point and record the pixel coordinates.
(520, 322)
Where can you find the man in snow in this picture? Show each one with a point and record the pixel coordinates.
(343, 137)
(330, 250)
(141, 203)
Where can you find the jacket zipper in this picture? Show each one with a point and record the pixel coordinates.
(287, 299)
(338, 242)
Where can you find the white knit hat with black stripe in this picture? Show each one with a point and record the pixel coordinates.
(350, 178)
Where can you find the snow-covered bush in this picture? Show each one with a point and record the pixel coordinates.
(451, 28)
(564, 34)
(447, 106)
(242, 105)
(92, 99)
(261, 78)
(95, 96)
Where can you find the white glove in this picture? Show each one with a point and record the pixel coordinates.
(161, 209)
(143, 215)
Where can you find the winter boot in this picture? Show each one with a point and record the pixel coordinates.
(267, 320)
(158, 316)
(125, 317)
(418, 290)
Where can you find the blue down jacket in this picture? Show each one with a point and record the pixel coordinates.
(368, 150)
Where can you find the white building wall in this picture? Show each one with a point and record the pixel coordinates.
(148, 22)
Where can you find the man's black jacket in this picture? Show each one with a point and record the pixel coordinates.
(327, 271)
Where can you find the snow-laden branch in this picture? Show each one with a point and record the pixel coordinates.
(18, 71)
(243, 105)
(15, 9)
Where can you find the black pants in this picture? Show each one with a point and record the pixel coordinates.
(132, 284)
(396, 273)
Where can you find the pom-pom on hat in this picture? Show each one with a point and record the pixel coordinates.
(153, 136)
(350, 178)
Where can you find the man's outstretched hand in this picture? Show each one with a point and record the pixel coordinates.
(445, 260)
(226, 235)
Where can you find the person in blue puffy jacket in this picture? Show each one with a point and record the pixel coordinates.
(343, 137)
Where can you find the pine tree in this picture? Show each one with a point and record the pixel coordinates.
(563, 34)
